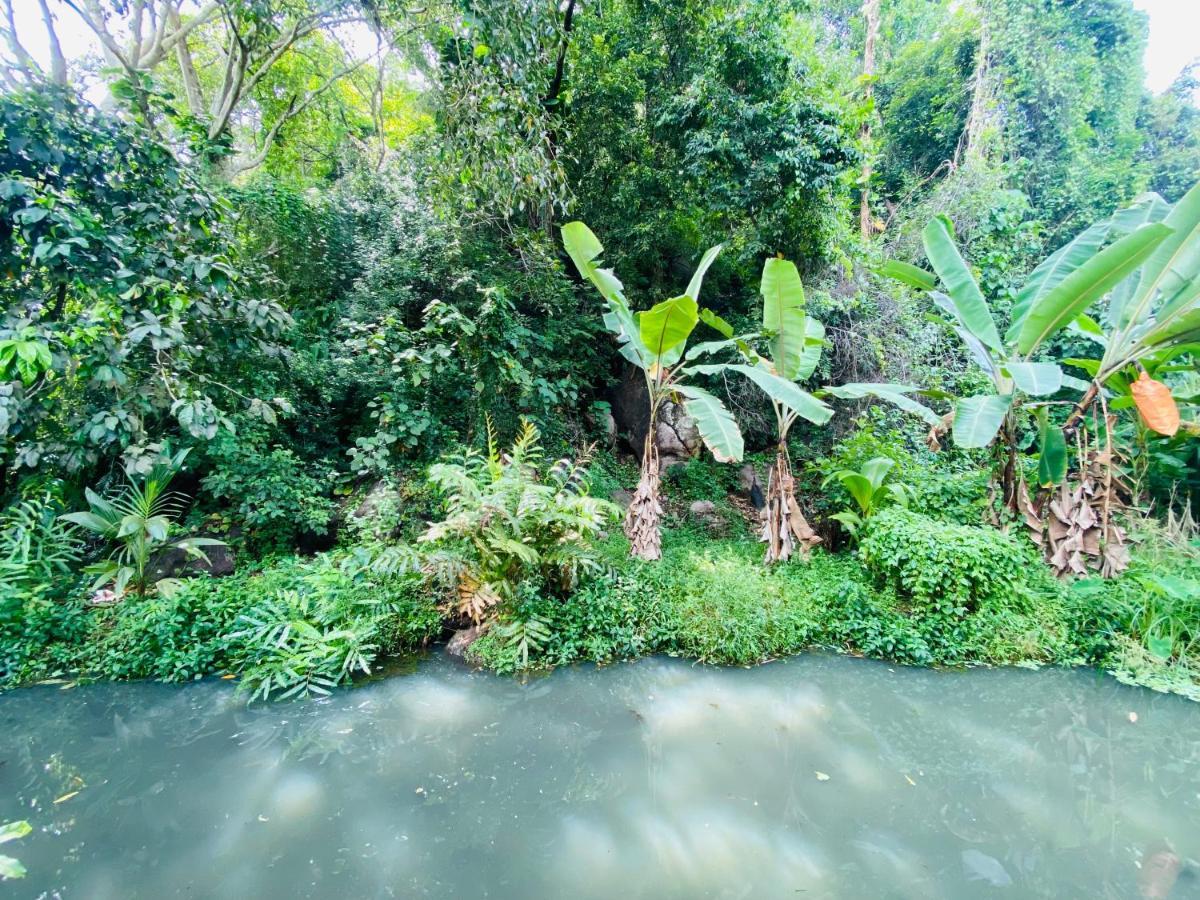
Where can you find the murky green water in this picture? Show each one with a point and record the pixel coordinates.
(817, 777)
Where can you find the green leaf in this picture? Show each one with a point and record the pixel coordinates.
(667, 325)
(787, 393)
(970, 308)
(908, 274)
(13, 831)
(693, 288)
(783, 315)
(895, 394)
(10, 868)
(1052, 461)
(712, 320)
(1087, 284)
(1176, 261)
(584, 248)
(717, 427)
(1054, 268)
(1036, 379)
(977, 419)
(814, 345)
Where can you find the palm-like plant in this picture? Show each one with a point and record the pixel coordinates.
(138, 522)
(654, 341)
(794, 341)
(1055, 294)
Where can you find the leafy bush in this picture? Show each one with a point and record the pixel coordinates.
(273, 497)
(298, 627)
(939, 567)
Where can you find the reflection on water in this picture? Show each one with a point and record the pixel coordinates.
(816, 777)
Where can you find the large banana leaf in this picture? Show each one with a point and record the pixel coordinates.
(895, 394)
(693, 288)
(968, 304)
(1054, 268)
(666, 326)
(786, 393)
(908, 274)
(584, 248)
(1037, 379)
(717, 427)
(814, 343)
(1087, 284)
(977, 419)
(1175, 263)
(783, 315)
(975, 347)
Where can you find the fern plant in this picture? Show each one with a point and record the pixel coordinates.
(138, 522)
(36, 549)
(508, 523)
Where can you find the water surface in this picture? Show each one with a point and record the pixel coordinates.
(815, 777)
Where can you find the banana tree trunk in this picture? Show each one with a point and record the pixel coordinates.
(785, 527)
(645, 511)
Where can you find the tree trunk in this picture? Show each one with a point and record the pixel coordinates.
(971, 144)
(785, 527)
(645, 511)
(871, 14)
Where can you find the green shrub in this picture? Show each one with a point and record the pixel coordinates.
(940, 567)
(299, 626)
(272, 495)
(510, 527)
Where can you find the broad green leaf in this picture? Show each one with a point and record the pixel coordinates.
(13, 831)
(977, 419)
(787, 393)
(975, 347)
(895, 394)
(1085, 326)
(859, 487)
(716, 426)
(1176, 260)
(783, 315)
(1087, 284)
(1036, 379)
(584, 248)
(1052, 461)
(1054, 268)
(667, 325)
(1181, 329)
(908, 274)
(814, 345)
(715, 322)
(693, 288)
(969, 307)
(876, 470)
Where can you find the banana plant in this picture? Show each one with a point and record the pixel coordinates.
(870, 490)
(1153, 313)
(794, 343)
(654, 340)
(1054, 296)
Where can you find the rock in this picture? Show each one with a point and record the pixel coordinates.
(621, 497)
(677, 436)
(703, 509)
(600, 419)
(751, 486)
(460, 642)
(175, 563)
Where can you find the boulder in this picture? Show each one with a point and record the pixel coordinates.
(369, 506)
(677, 436)
(751, 485)
(621, 497)
(460, 642)
(175, 563)
(703, 509)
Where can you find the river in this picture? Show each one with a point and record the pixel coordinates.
(819, 776)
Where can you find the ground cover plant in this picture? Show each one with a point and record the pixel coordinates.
(308, 359)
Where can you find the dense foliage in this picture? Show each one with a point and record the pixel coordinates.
(349, 299)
